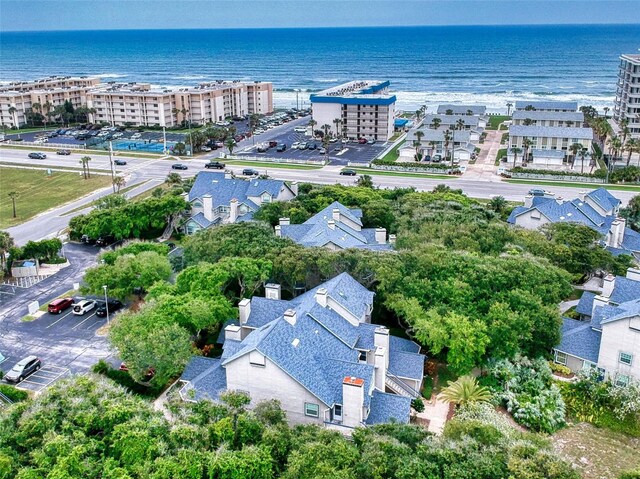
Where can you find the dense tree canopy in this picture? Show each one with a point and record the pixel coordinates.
(88, 428)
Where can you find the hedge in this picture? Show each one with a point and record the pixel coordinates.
(16, 395)
(408, 164)
(597, 174)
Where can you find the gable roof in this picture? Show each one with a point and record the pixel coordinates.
(547, 105)
(585, 305)
(604, 199)
(577, 116)
(624, 290)
(462, 109)
(579, 339)
(387, 407)
(469, 120)
(625, 310)
(570, 132)
(223, 190)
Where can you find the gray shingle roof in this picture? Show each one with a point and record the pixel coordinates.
(576, 116)
(534, 131)
(387, 407)
(603, 198)
(317, 232)
(461, 136)
(462, 109)
(539, 153)
(469, 120)
(624, 290)
(406, 365)
(579, 339)
(400, 344)
(209, 381)
(626, 310)
(547, 105)
(585, 305)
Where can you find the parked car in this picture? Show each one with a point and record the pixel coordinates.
(216, 165)
(63, 152)
(86, 240)
(333, 140)
(281, 147)
(119, 162)
(57, 306)
(105, 240)
(205, 148)
(179, 166)
(250, 172)
(300, 129)
(427, 158)
(322, 150)
(312, 146)
(262, 148)
(37, 156)
(362, 141)
(84, 306)
(437, 158)
(538, 192)
(348, 172)
(295, 145)
(371, 142)
(273, 144)
(22, 369)
(114, 305)
(303, 145)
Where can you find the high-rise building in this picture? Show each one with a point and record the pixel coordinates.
(364, 107)
(627, 104)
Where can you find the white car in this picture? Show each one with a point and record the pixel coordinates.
(83, 306)
(135, 136)
(300, 129)
(295, 145)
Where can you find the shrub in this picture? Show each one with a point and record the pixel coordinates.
(418, 405)
(124, 379)
(16, 395)
(559, 368)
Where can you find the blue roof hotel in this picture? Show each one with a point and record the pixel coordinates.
(365, 107)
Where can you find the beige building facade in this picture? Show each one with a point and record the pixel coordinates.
(627, 103)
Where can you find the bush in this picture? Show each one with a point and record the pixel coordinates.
(427, 387)
(436, 166)
(596, 174)
(560, 369)
(124, 379)
(16, 395)
(418, 405)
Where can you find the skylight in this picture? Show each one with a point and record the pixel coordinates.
(295, 343)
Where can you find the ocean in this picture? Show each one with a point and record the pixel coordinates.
(426, 65)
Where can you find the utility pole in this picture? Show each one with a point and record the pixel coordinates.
(164, 139)
(113, 173)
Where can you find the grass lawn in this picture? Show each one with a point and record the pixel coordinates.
(93, 203)
(366, 171)
(501, 154)
(53, 167)
(267, 164)
(80, 151)
(393, 153)
(575, 185)
(597, 452)
(495, 120)
(38, 192)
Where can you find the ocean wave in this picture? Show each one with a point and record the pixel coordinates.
(191, 77)
(326, 80)
(495, 102)
(110, 75)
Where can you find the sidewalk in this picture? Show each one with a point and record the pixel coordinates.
(436, 412)
(484, 167)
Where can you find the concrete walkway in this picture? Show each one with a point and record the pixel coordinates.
(484, 167)
(567, 305)
(436, 412)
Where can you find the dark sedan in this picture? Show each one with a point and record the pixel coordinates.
(63, 152)
(119, 162)
(114, 305)
(179, 166)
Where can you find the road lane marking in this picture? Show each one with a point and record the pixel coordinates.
(57, 321)
(84, 321)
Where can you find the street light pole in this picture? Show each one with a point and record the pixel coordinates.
(106, 301)
(113, 174)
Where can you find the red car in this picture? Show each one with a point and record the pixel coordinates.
(362, 141)
(57, 306)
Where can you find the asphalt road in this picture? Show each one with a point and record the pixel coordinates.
(66, 343)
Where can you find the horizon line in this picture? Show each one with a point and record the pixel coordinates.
(325, 27)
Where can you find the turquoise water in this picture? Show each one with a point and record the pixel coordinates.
(491, 65)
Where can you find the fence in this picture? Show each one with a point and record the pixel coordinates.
(274, 160)
(571, 178)
(64, 146)
(441, 171)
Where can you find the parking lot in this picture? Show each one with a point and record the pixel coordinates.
(45, 376)
(339, 153)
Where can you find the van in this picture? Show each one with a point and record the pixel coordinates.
(57, 306)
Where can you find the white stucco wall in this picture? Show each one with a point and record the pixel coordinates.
(526, 220)
(270, 382)
(325, 113)
(620, 336)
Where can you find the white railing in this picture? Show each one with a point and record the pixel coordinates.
(33, 144)
(399, 386)
(274, 160)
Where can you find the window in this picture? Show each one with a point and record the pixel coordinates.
(312, 410)
(266, 198)
(337, 411)
(626, 358)
(363, 356)
(561, 358)
(622, 380)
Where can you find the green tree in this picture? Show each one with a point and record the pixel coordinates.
(173, 179)
(85, 166)
(13, 195)
(111, 201)
(6, 242)
(230, 144)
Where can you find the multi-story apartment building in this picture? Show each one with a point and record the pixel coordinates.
(364, 107)
(137, 103)
(627, 105)
(550, 138)
(546, 105)
(548, 118)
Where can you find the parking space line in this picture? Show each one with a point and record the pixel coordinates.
(83, 321)
(58, 320)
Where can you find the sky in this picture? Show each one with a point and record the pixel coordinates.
(34, 15)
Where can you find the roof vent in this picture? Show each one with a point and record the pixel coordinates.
(562, 217)
(295, 343)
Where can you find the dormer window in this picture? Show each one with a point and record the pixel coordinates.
(197, 204)
(266, 198)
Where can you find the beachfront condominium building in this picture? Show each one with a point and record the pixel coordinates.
(546, 105)
(627, 106)
(137, 104)
(548, 118)
(358, 109)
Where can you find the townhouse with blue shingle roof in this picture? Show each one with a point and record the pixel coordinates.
(607, 336)
(318, 354)
(597, 209)
(336, 227)
(219, 198)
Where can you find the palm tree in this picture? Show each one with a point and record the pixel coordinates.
(47, 113)
(337, 122)
(527, 122)
(118, 182)
(435, 123)
(526, 144)
(509, 105)
(460, 124)
(13, 195)
(175, 112)
(469, 112)
(419, 135)
(6, 242)
(498, 203)
(575, 148)
(230, 144)
(449, 112)
(631, 146)
(465, 390)
(173, 179)
(85, 166)
(583, 153)
(516, 151)
(12, 112)
(326, 129)
(453, 143)
(624, 126)
(312, 123)
(447, 139)
(606, 110)
(432, 145)
(614, 146)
